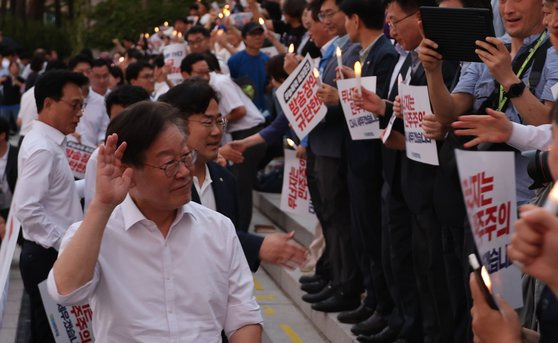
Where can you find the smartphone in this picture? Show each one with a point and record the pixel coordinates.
(477, 269)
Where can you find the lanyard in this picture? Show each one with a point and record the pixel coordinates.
(502, 98)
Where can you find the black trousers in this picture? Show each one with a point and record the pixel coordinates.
(323, 266)
(437, 317)
(397, 250)
(245, 174)
(35, 263)
(331, 175)
(364, 179)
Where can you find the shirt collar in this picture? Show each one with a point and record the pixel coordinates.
(132, 215)
(400, 50)
(324, 48)
(207, 180)
(50, 132)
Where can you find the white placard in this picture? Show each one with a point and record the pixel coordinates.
(174, 53)
(389, 127)
(361, 123)
(240, 19)
(554, 90)
(7, 249)
(69, 324)
(415, 104)
(295, 197)
(270, 51)
(78, 155)
(488, 184)
(298, 98)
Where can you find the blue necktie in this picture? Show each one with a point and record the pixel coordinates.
(327, 55)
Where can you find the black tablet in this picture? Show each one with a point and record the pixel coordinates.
(455, 30)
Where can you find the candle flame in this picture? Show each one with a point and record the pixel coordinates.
(156, 29)
(121, 59)
(291, 48)
(553, 193)
(179, 35)
(338, 52)
(316, 73)
(166, 23)
(261, 21)
(486, 278)
(358, 68)
(220, 32)
(174, 33)
(291, 143)
(227, 6)
(146, 36)
(226, 12)
(220, 15)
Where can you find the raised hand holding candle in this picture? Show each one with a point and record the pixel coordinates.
(339, 54)
(262, 23)
(291, 48)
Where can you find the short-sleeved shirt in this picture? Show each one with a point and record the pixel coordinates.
(242, 64)
(477, 81)
(185, 287)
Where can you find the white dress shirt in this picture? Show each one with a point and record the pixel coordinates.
(5, 192)
(94, 122)
(27, 111)
(205, 191)
(529, 137)
(231, 97)
(186, 287)
(46, 200)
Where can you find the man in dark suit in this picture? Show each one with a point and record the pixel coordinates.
(214, 186)
(326, 142)
(364, 25)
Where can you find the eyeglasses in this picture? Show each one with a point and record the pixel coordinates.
(147, 77)
(196, 42)
(75, 105)
(326, 15)
(171, 168)
(220, 122)
(393, 24)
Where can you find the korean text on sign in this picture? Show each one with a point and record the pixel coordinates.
(299, 100)
(294, 195)
(362, 124)
(488, 186)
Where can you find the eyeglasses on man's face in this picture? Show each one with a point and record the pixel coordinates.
(208, 122)
(171, 168)
(326, 15)
(75, 105)
(393, 24)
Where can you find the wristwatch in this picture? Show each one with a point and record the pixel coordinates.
(515, 90)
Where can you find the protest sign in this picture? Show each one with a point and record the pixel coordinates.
(240, 19)
(78, 155)
(361, 123)
(174, 53)
(488, 185)
(69, 324)
(270, 51)
(554, 90)
(295, 197)
(7, 249)
(299, 100)
(415, 104)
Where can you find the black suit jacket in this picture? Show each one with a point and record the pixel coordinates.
(11, 167)
(224, 190)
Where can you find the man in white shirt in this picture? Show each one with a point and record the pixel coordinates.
(154, 266)
(46, 201)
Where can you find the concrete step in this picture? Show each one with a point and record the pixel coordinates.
(267, 212)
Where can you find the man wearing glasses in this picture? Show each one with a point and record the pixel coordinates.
(155, 266)
(141, 74)
(46, 200)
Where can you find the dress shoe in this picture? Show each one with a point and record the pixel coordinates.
(338, 302)
(352, 317)
(325, 293)
(372, 325)
(387, 335)
(310, 278)
(313, 287)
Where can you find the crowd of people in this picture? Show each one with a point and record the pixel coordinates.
(156, 236)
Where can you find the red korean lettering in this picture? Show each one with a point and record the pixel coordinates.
(504, 219)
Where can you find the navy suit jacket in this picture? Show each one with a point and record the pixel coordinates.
(326, 139)
(224, 190)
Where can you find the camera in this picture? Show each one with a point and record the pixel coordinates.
(538, 168)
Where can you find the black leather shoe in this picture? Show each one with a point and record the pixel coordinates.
(325, 293)
(352, 317)
(338, 302)
(387, 335)
(313, 287)
(310, 278)
(372, 325)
